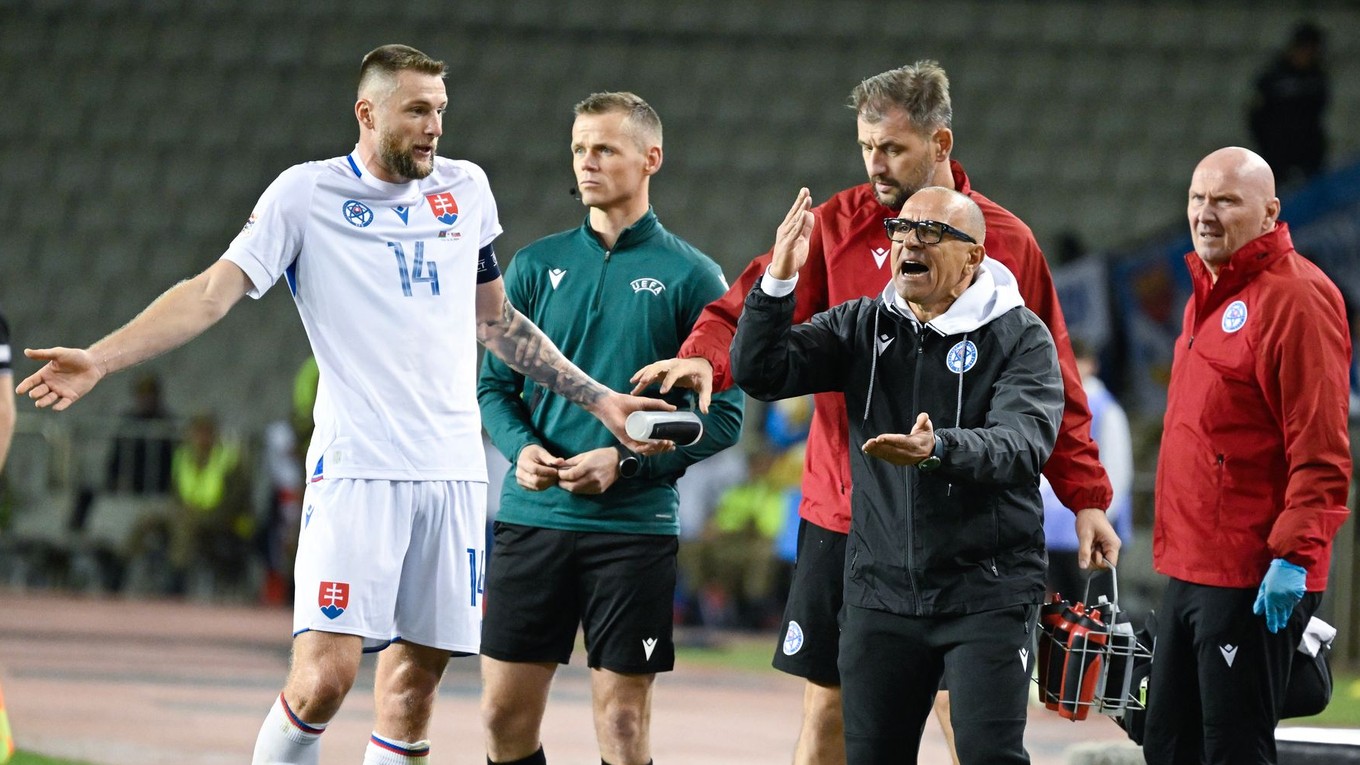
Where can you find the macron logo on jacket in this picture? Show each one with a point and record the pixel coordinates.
(880, 255)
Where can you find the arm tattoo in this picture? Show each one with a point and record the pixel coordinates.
(524, 348)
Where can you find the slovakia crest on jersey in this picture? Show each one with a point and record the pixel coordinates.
(444, 207)
(357, 213)
(333, 598)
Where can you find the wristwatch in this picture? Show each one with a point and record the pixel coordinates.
(933, 461)
(629, 464)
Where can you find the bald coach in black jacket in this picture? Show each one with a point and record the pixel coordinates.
(945, 562)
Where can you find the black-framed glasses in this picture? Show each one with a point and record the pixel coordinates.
(927, 231)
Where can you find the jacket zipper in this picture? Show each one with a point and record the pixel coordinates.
(907, 475)
(1218, 506)
(599, 287)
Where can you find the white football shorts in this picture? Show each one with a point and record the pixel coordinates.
(393, 560)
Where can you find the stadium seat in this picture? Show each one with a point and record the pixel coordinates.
(176, 115)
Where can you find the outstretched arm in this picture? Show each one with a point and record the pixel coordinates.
(524, 348)
(179, 315)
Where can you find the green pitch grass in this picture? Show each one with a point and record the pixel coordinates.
(1344, 709)
(746, 651)
(24, 758)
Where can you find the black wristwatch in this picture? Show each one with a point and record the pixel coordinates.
(629, 464)
(933, 461)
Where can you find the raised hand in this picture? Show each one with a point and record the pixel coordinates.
(792, 237)
(68, 374)
(693, 373)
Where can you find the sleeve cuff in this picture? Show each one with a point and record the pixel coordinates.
(777, 287)
(1291, 566)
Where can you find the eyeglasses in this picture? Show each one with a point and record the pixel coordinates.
(927, 231)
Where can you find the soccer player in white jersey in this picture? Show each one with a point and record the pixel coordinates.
(387, 252)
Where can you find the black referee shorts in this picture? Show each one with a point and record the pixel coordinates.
(542, 583)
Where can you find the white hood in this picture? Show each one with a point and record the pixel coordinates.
(993, 292)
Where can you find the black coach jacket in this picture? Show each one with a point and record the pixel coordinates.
(968, 536)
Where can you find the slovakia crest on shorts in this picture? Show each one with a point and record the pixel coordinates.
(444, 207)
(961, 357)
(333, 598)
(1234, 316)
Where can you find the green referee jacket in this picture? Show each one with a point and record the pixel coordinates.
(611, 312)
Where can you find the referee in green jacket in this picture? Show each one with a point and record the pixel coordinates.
(587, 532)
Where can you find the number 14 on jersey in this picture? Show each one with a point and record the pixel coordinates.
(419, 272)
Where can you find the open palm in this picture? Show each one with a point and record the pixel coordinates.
(68, 374)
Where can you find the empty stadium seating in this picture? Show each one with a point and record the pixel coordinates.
(136, 136)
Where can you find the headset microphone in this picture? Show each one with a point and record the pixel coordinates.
(574, 192)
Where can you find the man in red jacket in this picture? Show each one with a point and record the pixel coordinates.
(1253, 471)
(905, 137)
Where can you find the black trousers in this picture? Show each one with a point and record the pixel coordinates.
(1218, 677)
(891, 666)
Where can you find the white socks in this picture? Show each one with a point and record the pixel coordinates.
(286, 740)
(387, 751)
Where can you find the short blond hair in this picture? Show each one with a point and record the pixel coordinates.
(383, 64)
(640, 119)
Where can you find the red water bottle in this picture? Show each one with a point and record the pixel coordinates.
(1051, 647)
(1083, 664)
(1062, 635)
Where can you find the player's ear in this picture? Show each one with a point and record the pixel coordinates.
(943, 143)
(654, 158)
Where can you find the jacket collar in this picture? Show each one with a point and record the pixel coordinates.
(643, 229)
(1251, 259)
(961, 183)
(993, 292)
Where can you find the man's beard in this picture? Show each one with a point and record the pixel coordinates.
(402, 162)
(898, 197)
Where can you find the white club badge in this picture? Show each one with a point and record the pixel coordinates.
(1234, 316)
(793, 639)
(961, 357)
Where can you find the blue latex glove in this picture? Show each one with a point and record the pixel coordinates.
(1281, 590)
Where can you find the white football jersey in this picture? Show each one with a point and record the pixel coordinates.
(384, 276)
